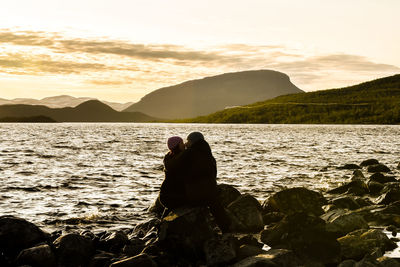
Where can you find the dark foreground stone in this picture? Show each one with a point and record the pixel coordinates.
(74, 250)
(41, 255)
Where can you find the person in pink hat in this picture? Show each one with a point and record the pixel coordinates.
(172, 192)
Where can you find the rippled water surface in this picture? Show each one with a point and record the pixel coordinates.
(108, 174)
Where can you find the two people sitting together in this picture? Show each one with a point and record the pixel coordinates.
(190, 177)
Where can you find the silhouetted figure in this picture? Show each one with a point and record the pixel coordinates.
(172, 192)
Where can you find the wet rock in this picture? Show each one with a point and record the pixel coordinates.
(306, 235)
(356, 187)
(398, 166)
(157, 208)
(220, 250)
(341, 222)
(248, 211)
(357, 244)
(390, 193)
(142, 229)
(185, 231)
(349, 167)
(42, 256)
(363, 202)
(374, 188)
(114, 242)
(387, 262)
(392, 208)
(17, 234)
(134, 247)
(273, 257)
(347, 263)
(357, 175)
(345, 202)
(141, 260)
(249, 240)
(152, 250)
(102, 259)
(369, 162)
(299, 199)
(381, 178)
(378, 168)
(73, 250)
(227, 194)
(246, 251)
(272, 217)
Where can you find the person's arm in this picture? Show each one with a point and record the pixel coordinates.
(172, 163)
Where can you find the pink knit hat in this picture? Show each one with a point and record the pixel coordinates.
(173, 142)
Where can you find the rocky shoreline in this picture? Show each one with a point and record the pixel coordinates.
(294, 227)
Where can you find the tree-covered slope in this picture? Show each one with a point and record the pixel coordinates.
(374, 102)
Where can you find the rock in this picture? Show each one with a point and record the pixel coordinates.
(357, 244)
(345, 202)
(357, 175)
(248, 211)
(246, 251)
(37, 256)
(73, 250)
(142, 229)
(306, 235)
(114, 242)
(157, 208)
(220, 250)
(17, 234)
(152, 250)
(392, 208)
(227, 194)
(141, 260)
(102, 259)
(374, 188)
(256, 261)
(356, 187)
(184, 232)
(387, 262)
(249, 240)
(369, 162)
(363, 202)
(272, 217)
(134, 247)
(398, 166)
(347, 263)
(390, 193)
(349, 167)
(381, 178)
(299, 199)
(378, 168)
(341, 222)
(272, 257)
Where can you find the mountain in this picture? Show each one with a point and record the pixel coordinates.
(89, 111)
(210, 94)
(374, 102)
(62, 101)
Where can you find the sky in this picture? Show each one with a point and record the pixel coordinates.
(120, 50)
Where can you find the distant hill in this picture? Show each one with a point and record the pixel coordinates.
(374, 102)
(27, 119)
(210, 94)
(62, 101)
(89, 111)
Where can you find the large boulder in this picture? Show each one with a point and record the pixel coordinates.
(374, 188)
(248, 211)
(381, 178)
(306, 235)
(227, 194)
(73, 250)
(369, 162)
(378, 168)
(17, 234)
(299, 199)
(184, 232)
(220, 250)
(349, 166)
(357, 175)
(114, 242)
(42, 256)
(142, 260)
(345, 202)
(341, 222)
(390, 193)
(357, 244)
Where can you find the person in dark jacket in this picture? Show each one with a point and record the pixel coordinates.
(200, 175)
(172, 192)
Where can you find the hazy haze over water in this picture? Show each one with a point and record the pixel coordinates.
(108, 174)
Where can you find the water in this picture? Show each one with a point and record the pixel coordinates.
(106, 175)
